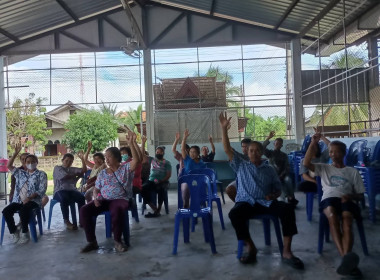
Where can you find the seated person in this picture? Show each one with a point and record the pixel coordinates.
(258, 188)
(178, 155)
(30, 188)
(279, 160)
(231, 188)
(44, 200)
(192, 161)
(124, 154)
(113, 190)
(137, 183)
(160, 172)
(65, 190)
(341, 186)
(96, 167)
(208, 157)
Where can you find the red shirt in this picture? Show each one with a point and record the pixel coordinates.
(137, 182)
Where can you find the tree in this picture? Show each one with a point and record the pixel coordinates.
(26, 118)
(131, 117)
(338, 61)
(89, 125)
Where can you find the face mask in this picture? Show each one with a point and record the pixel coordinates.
(31, 166)
(124, 157)
(159, 156)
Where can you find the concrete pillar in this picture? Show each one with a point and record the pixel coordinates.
(147, 55)
(295, 75)
(374, 72)
(3, 125)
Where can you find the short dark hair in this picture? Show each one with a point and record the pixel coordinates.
(68, 155)
(196, 148)
(162, 148)
(340, 145)
(279, 139)
(187, 147)
(32, 156)
(127, 150)
(259, 144)
(245, 141)
(115, 153)
(99, 155)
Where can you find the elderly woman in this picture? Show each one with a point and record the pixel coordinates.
(30, 187)
(97, 166)
(65, 191)
(113, 189)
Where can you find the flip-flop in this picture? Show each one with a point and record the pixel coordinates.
(349, 262)
(293, 262)
(247, 258)
(152, 215)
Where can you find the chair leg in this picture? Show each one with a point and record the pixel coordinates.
(126, 230)
(186, 230)
(176, 233)
(309, 205)
(359, 223)
(266, 225)
(240, 249)
(277, 229)
(32, 225)
(321, 232)
(73, 213)
(2, 230)
(52, 203)
(166, 202)
(219, 205)
(39, 221)
(43, 214)
(222, 192)
(208, 220)
(107, 218)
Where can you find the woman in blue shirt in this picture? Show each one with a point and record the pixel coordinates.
(192, 161)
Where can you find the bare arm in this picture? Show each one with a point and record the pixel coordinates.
(183, 144)
(311, 151)
(307, 177)
(89, 147)
(176, 140)
(212, 144)
(135, 156)
(323, 138)
(167, 177)
(12, 159)
(144, 156)
(225, 124)
(84, 166)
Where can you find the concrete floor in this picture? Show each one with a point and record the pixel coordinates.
(56, 255)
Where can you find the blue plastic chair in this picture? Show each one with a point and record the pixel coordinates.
(32, 225)
(324, 228)
(72, 209)
(85, 177)
(200, 206)
(357, 152)
(212, 165)
(215, 198)
(108, 224)
(266, 224)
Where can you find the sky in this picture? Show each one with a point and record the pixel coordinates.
(117, 77)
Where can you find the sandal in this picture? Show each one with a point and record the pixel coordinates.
(91, 246)
(152, 215)
(294, 262)
(349, 262)
(247, 258)
(119, 247)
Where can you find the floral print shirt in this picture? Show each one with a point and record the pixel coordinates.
(36, 183)
(117, 185)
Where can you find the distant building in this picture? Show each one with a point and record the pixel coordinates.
(55, 120)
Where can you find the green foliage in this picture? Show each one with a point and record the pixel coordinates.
(132, 117)
(258, 128)
(90, 125)
(26, 118)
(338, 61)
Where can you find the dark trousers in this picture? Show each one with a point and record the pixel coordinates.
(68, 197)
(89, 212)
(24, 211)
(243, 211)
(150, 187)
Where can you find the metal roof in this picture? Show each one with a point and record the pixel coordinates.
(22, 21)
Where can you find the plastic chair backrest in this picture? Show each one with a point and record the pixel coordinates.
(199, 187)
(356, 153)
(376, 152)
(306, 143)
(210, 173)
(322, 146)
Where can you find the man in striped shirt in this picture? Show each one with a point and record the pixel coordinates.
(258, 188)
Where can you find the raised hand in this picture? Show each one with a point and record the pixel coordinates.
(210, 138)
(80, 154)
(143, 139)
(271, 134)
(17, 149)
(224, 121)
(186, 133)
(177, 136)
